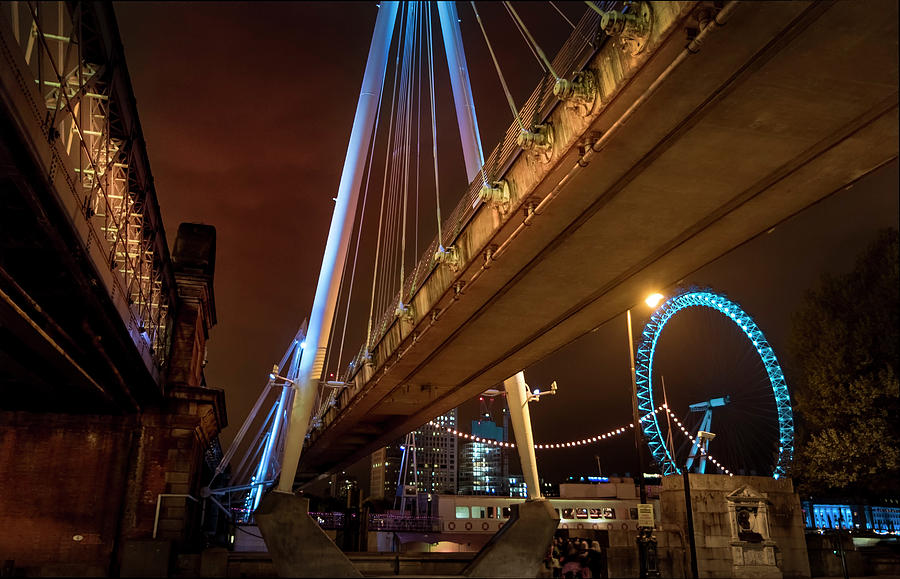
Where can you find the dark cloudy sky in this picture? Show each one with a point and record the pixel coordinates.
(246, 109)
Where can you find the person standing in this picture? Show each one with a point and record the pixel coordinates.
(597, 560)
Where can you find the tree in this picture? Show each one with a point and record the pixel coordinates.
(845, 340)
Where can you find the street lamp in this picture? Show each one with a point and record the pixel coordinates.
(274, 377)
(652, 301)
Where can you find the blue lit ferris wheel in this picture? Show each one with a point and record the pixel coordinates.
(644, 369)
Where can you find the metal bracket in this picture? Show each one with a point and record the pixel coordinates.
(496, 195)
(368, 358)
(448, 256)
(405, 312)
(529, 210)
(489, 255)
(632, 29)
(457, 289)
(579, 93)
(538, 141)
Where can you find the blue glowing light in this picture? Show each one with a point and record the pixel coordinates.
(644, 371)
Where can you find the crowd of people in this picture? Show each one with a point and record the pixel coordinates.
(575, 558)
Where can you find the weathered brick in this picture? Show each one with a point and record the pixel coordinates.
(176, 477)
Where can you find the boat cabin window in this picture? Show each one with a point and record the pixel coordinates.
(568, 513)
(507, 512)
(462, 512)
(490, 513)
(581, 513)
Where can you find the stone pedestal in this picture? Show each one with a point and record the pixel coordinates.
(744, 526)
(752, 550)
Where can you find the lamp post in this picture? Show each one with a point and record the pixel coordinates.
(642, 539)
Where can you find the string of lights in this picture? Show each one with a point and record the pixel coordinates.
(684, 431)
(583, 442)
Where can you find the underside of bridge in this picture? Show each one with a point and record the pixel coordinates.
(59, 335)
(64, 342)
(781, 105)
(103, 402)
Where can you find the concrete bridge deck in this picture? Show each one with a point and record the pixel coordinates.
(782, 104)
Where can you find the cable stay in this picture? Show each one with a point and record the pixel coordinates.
(399, 226)
(509, 98)
(532, 43)
(259, 466)
(404, 38)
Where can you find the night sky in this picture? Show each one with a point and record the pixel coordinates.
(246, 110)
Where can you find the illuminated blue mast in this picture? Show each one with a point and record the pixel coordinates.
(325, 301)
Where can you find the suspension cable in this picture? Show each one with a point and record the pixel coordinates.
(537, 47)
(383, 193)
(525, 38)
(561, 13)
(362, 218)
(398, 167)
(509, 99)
(420, 25)
(572, 24)
(434, 147)
(407, 70)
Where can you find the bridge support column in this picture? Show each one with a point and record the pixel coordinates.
(518, 549)
(517, 397)
(325, 301)
(298, 546)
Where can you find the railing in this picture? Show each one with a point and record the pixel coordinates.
(581, 45)
(81, 99)
(401, 523)
(574, 54)
(329, 521)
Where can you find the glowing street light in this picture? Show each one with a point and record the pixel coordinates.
(652, 301)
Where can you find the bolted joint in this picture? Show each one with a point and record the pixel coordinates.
(632, 28)
(496, 195)
(448, 256)
(538, 142)
(405, 312)
(540, 137)
(580, 92)
(564, 89)
(615, 23)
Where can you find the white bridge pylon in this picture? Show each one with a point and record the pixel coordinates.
(312, 365)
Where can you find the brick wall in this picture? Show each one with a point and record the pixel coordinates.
(62, 478)
(97, 478)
